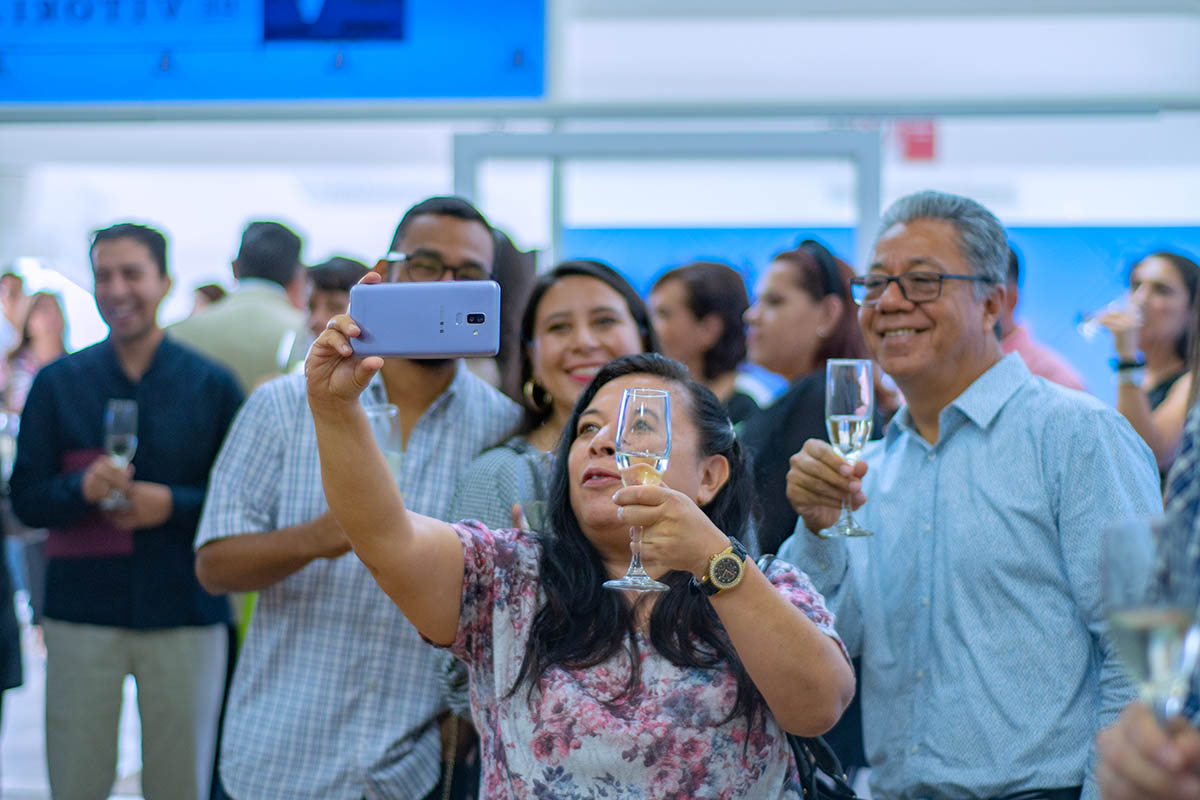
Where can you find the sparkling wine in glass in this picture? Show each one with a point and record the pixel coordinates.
(120, 442)
(643, 448)
(849, 414)
(1151, 589)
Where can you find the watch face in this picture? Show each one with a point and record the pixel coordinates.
(727, 570)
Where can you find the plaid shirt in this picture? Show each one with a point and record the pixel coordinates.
(335, 695)
(1183, 502)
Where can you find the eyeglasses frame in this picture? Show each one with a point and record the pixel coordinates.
(861, 280)
(396, 260)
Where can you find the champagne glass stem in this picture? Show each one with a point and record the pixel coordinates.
(845, 522)
(635, 547)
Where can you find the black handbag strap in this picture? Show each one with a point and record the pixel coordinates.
(821, 775)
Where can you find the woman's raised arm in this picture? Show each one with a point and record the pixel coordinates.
(417, 560)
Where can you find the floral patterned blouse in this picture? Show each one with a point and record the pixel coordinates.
(567, 743)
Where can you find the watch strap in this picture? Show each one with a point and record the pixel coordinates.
(706, 586)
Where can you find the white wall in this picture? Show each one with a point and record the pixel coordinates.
(344, 186)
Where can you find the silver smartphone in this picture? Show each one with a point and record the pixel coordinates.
(438, 319)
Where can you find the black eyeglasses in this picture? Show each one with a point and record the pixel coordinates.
(917, 287)
(429, 267)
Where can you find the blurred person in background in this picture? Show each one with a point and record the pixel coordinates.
(121, 594)
(329, 285)
(204, 296)
(580, 315)
(802, 316)
(1040, 359)
(1151, 341)
(254, 330)
(698, 314)
(11, 668)
(43, 340)
(13, 304)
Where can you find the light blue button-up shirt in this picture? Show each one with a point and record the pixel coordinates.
(986, 667)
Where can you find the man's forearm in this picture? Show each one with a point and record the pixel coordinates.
(255, 561)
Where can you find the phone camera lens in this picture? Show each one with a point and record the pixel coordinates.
(475, 319)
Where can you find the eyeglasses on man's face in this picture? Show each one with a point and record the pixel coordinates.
(916, 287)
(429, 267)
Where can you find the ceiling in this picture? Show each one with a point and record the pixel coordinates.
(873, 8)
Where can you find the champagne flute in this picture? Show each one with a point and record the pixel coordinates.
(385, 425)
(849, 414)
(1089, 326)
(120, 442)
(1151, 588)
(643, 448)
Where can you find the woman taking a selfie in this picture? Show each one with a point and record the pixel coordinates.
(577, 689)
(580, 315)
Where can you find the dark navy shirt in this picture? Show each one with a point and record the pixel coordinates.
(185, 405)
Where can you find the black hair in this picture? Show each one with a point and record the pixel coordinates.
(820, 273)
(715, 288)
(337, 274)
(151, 239)
(1189, 273)
(1014, 266)
(587, 268)
(270, 251)
(445, 206)
(580, 624)
(831, 280)
(211, 291)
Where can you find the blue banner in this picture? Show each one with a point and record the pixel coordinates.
(102, 51)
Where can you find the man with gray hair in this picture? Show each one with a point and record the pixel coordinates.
(986, 663)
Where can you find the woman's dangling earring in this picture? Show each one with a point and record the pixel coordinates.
(528, 390)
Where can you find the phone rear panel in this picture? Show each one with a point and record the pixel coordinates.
(440, 319)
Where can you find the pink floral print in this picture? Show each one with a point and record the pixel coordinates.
(567, 741)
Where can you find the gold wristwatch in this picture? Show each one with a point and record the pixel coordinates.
(725, 570)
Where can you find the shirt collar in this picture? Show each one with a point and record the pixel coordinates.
(984, 398)
(981, 401)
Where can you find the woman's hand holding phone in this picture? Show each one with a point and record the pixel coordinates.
(335, 376)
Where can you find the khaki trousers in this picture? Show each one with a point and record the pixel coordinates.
(180, 674)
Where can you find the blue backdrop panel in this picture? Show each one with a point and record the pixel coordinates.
(1068, 271)
(100, 51)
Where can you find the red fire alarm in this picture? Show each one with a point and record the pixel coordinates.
(916, 139)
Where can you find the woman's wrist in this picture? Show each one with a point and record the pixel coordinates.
(713, 544)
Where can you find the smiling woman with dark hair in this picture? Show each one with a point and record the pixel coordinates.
(578, 690)
(579, 316)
